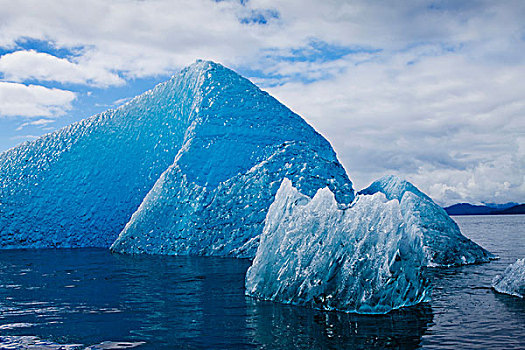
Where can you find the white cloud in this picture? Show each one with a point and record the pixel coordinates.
(121, 101)
(433, 91)
(29, 64)
(452, 126)
(24, 137)
(42, 123)
(134, 37)
(33, 100)
(144, 38)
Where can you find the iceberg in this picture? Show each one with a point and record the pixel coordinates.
(362, 258)
(512, 281)
(208, 164)
(189, 167)
(443, 242)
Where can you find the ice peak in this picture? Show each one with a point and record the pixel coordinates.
(444, 243)
(393, 187)
(200, 65)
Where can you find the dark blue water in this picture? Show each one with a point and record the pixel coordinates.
(89, 298)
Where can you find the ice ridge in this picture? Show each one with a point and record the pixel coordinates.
(442, 239)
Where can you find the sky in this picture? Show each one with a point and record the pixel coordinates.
(432, 91)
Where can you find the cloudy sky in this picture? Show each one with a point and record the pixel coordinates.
(433, 91)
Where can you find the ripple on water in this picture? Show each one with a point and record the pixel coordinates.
(35, 343)
(155, 302)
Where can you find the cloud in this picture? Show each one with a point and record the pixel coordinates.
(24, 137)
(428, 90)
(122, 101)
(25, 65)
(136, 38)
(42, 123)
(33, 100)
(451, 125)
(144, 38)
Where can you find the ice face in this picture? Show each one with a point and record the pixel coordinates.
(224, 220)
(442, 239)
(202, 155)
(314, 252)
(77, 187)
(213, 199)
(512, 281)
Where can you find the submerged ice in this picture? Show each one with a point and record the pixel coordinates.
(512, 281)
(364, 258)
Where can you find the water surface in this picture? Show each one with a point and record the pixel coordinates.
(89, 298)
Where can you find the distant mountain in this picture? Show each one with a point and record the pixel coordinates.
(488, 209)
(468, 209)
(517, 209)
(500, 206)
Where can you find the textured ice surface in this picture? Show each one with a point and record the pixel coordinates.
(213, 199)
(180, 217)
(202, 155)
(79, 186)
(443, 242)
(512, 281)
(190, 167)
(314, 252)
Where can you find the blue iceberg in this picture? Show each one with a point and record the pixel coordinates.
(183, 217)
(361, 258)
(189, 167)
(208, 164)
(512, 281)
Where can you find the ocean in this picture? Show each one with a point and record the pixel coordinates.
(92, 299)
